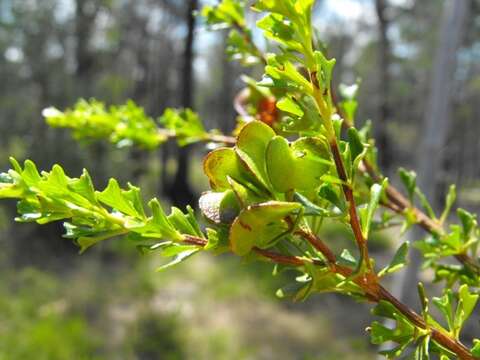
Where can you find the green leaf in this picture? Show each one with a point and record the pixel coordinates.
(114, 197)
(251, 147)
(476, 348)
(30, 173)
(306, 159)
(179, 258)
(311, 209)
(425, 203)
(185, 124)
(399, 260)
(409, 180)
(356, 145)
(123, 125)
(277, 29)
(289, 105)
(451, 196)
(468, 221)
(367, 215)
(444, 304)
(181, 222)
(284, 75)
(159, 223)
(279, 157)
(54, 196)
(260, 225)
(228, 12)
(467, 303)
(220, 164)
(86, 242)
(329, 192)
(84, 187)
(347, 259)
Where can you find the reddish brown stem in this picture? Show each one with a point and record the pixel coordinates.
(275, 257)
(352, 208)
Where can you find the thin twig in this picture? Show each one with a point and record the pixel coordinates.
(209, 137)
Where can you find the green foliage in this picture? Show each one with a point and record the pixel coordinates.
(271, 192)
(231, 14)
(92, 216)
(123, 125)
(399, 260)
(128, 125)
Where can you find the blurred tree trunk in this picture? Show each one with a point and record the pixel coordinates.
(430, 156)
(179, 190)
(384, 60)
(85, 14)
(226, 112)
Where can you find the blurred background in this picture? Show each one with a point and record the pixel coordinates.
(419, 65)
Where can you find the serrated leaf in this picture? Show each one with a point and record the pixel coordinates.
(327, 191)
(310, 209)
(444, 304)
(451, 197)
(476, 348)
(367, 215)
(409, 180)
(113, 196)
(185, 124)
(347, 259)
(289, 105)
(181, 222)
(181, 257)
(425, 203)
(468, 302)
(468, 221)
(399, 260)
(356, 145)
(84, 187)
(159, 223)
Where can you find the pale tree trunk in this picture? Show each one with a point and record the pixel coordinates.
(384, 60)
(430, 156)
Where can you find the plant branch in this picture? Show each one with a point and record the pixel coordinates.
(209, 137)
(399, 203)
(375, 293)
(247, 36)
(273, 256)
(326, 114)
(440, 336)
(378, 293)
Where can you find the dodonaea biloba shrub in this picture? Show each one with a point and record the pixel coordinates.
(296, 159)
